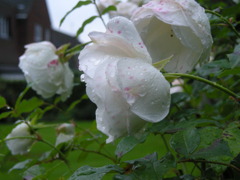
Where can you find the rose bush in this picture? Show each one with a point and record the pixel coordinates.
(44, 72)
(127, 89)
(174, 27)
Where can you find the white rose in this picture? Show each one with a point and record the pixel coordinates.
(176, 86)
(66, 133)
(175, 27)
(124, 9)
(19, 146)
(120, 79)
(44, 72)
(103, 4)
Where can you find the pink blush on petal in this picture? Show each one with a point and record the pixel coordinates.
(53, 63)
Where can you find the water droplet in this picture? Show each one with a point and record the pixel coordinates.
(82, 78)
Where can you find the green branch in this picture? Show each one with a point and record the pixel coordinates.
(99, 13)
(214, 84)
(99, 153)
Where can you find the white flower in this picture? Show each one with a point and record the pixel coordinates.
(174, 27)
(19, 146)
(176, 86)
(124, 9)
(120, 79)
(103, 4)
(66, 133)
(44, 72)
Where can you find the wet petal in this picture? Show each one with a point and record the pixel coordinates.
(120, 40)
(43, 71)
(179, 28)
(145, 90)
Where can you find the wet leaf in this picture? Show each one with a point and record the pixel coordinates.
(186, 141)
(127, 144)
(87, 172)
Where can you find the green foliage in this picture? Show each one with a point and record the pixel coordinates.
(78, 5)
(86, 22)
(199, 139)
(127, 144)
(186, 141)
(108, 9)
(87, 172)
(2, 102)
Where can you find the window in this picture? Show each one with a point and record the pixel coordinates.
(4, 28)
(37, 33)
(47, 34)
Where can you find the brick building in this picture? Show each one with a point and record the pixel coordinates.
(23, 22)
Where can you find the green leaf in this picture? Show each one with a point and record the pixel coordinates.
(92, 173)
(214, 67)
(78, 5)
(86, 22)
(179, 97)
(28, 105)
(62, 49)
(5, 114)
(234, 58)
(127, 144)
(19, 99)
(76, 49)
(108, 9)
(185, 142)
(2, 102)
(208, 135)
(148, 167)
(218, 148)
(35, 172)
(21, 165)
(232, 136)
(162, 63)
(234, 71)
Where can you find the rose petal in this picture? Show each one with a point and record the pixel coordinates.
(145, 89)
(121, 40)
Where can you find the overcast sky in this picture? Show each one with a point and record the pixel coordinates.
(58, 8)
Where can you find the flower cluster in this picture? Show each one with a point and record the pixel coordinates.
(117, 66)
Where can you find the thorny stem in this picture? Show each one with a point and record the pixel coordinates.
(99, 13)
(99, 153)
(225, 20)
(214, 84)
